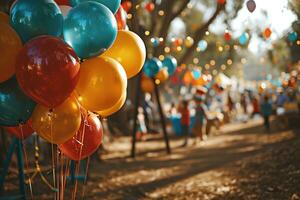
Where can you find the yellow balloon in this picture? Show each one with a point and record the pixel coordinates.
(129, 50)
(189, 41)
(147, 85)
(59, 124)
(101, 84)
(4, 18)
(10, 45)
(115, 108)
(162, 75)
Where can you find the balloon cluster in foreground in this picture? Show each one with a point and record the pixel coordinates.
(61, 62)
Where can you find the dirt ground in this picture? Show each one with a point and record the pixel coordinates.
(240, 162)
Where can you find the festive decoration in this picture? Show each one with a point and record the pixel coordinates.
(96, 76)
(130, 51)
(171, 64)
(155, 41)
(10, 45)
(47, 70)
(84, 26)
(16, 108)
(112, 5)
(65, 10)
(221, 2)
(267, 33)
(147, 85)
(251, 5)
(162, 75)
(45, 18)
(293, 36)
(86, 141)
(202, 45)
(115, 108)
(243, 39)
(150, 6)
(59, 124)
(152, 67)
(127, 5)
(121, 17)
(22, 131)
(189, 41)
(196, 74)
(63, 2)
(227, 36)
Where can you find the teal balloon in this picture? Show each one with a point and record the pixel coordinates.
(293, 36)
(90, 29)
(32, 18)
(155, 42)
(152, 67)
(15, 107)
(202, 45)
(196, 74)
(243, 39)
(113, 5)
(171, 63)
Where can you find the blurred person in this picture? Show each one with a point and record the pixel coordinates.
(255, 105)
(201, 115)
(281, 100)
(266, 111)
(243, 102)
(185, 120)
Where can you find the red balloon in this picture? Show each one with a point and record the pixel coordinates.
(121, 16)
(87, 140)
(221, 2)
(126, 5)
(47, 70)
(227, 36)
(22, 131)
(150, 6)
(63, 2)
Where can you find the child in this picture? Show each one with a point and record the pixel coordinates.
(185, 120)
(200, 116)
(266, 111)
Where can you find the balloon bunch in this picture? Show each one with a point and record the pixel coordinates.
(55, 71)
(157, 70)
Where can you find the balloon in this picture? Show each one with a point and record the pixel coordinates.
(267, 33)
(162, 75)
(196, 74)
(22, 131)
(10, 46)
(101, 84)
(112, 5)
(202, 45)
(65, 10)
(293, 36)
(243, 39)
(63, 2)
(171, 63)
(221, 2)
(59, 124)
(150, 6)
(152, 67)
(147, 84)
(115, 108)
(127, 5)
(155, 42)
(86, 141)
(251, 5)
(4, 18)
(47, 70)
(15, 107)
(121, 17)
(187, 78)
(189, 41)
(227, 36)
(31, 18)
(178, 42)
(129, 50)
(90, 29)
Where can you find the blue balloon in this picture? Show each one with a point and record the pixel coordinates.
(152, 67)
(32, 18)
(171, 63)
(244, 38)
(15, 107)
(113, 5)
(202, 45)
(293, 36)
(90, 29)
(196, 74)
(155, 42)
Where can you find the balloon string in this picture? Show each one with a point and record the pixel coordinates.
(26, 159)
(58, 173)
(53, 159)
(85, 178)
(67, 173)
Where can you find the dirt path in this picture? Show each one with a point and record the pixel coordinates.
(241, 163)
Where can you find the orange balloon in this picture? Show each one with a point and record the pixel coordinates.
(147, 85)
(59, 124)
(101, 84)
(115, 108)
(4, 18)
(10, 45)
(267, 32)
(129, 50)
(187, 78)
(162, 75)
